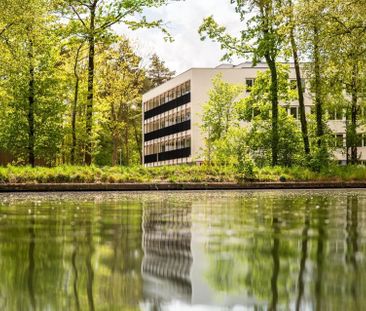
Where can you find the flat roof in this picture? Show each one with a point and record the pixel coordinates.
(244, 65)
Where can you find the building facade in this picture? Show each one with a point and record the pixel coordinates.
(172, 114)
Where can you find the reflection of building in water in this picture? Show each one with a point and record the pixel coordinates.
(167, 247)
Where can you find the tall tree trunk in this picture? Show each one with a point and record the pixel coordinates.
(127, 147)
(354, 111)
(274, 99)
(74, 106)
(90, 95)
(115, 143)
(300, 91)
(31, 102)
(137, 139)
(318, 89)
(127, 155)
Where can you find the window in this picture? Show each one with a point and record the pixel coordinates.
(249, 84)
(293, 84)
(186, 88)
(179, 91)
(339, 141)
(293, 112)
(339, 114)
(331, 114)
(303, 85)
(166, 97)
(187, 142)
(359, 140)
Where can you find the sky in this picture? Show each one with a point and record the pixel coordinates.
(183, 19)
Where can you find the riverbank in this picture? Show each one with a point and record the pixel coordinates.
(75, 187)
(80, 178)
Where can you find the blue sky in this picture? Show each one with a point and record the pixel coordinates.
(183, 20)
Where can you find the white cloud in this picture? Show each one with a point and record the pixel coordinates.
(183, 20)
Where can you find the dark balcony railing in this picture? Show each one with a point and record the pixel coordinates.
(180, 101)
(176, 128)
(168, 155)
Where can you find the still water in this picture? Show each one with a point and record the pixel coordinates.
(284, 250)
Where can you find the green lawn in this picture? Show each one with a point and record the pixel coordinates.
(183, 173)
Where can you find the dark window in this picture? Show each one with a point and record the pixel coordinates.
(293, 112)
(331, 114)
(293, 84)
(339, 114)
(185, 99)
(339, 141)
(249, 84)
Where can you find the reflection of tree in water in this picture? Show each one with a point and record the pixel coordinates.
(253, 258)
(70, 256)
(119, 278)
(303, 256)
(284, 251)
(352, 247)
(167, 252)
(32, 244)
(344, 281)
(290, 254)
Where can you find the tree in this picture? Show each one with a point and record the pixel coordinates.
(346, 46)
(257, 108)
(261, 39)
(121, 81)
(220, 112)
(157, 72)
(312, 31)
(291, 30)
(32, 85)
(96, 17)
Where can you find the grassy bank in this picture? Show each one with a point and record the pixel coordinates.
(175, 174)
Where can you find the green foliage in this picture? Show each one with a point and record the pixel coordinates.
(31, 43)
(220, 112)
(67, 121)
(157, 72)
(290, 143)
(177, 174)
(259, 35)
(120, 80)
(320, 156)
(220, 123)
(256, 107)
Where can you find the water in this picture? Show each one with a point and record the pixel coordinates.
(284, 250)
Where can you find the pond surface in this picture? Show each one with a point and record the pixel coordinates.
(284, 250)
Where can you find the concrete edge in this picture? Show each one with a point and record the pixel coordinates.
(59, 187)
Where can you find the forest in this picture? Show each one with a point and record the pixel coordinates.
(71, 87)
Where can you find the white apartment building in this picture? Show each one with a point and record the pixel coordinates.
(172, 114)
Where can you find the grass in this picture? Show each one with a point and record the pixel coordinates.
(175, 174)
